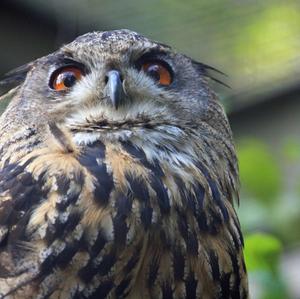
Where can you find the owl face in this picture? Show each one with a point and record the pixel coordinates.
(117, 84)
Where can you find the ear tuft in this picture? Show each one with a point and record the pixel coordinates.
(10, 84)
(16, 76)
(208, 72)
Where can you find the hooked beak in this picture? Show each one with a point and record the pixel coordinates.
(114, 88)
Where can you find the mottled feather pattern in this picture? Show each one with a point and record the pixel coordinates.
(115, 188)
(99, 205)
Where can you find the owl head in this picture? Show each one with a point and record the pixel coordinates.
(116, 84)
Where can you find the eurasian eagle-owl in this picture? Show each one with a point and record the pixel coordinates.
(118, 174)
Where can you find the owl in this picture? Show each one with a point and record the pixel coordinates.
(118, 176)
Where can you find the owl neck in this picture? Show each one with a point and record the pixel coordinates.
(171, 144)
(190, 151)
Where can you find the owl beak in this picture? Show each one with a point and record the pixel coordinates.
(114, 88)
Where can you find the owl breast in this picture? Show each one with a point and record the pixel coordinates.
(113, 220)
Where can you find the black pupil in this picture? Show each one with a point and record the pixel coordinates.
(68, 78)
(153, 71)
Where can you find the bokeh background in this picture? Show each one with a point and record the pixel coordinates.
(257, 44)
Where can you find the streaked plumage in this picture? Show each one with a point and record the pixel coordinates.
(128, 201)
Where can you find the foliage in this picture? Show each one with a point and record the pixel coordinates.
(260, 174)
(262, 254)
(267, 206)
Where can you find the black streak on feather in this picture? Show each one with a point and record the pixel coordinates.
(202, 222)
(65, 257)
(193, 200)
(214, 264)
(217, 197)
(161, 194)
(61, 229)
(215, 191)
(167, 292)
(25, 193)
(107, 263)
(87, 272)
(140, 155)
(192, 243)
(134, 259)
(63, 184)
(235, 239)
(91, 269)
(60, 137)
(138, 187)
(178, 264)
(18, 233)
(191, 286)
(189, 236)
(225, 285)
(153, 271)
(47, 266)
(235, 292)
(146, 215)
(98, 244)
(182, 225)
(139, 190)
(121, 291)
(237, 225)
(123, 207)
(90, 158)
(102, 290)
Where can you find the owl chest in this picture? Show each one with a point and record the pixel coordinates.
(143, 219)
(116, 221)
(135, 192)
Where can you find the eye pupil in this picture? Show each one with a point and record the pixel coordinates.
(153, 71)
(158, 72)
(69, 79)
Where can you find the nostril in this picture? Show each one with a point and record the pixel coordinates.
(106, 79)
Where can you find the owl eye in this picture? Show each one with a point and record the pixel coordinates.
(159, 71)
(65, 78)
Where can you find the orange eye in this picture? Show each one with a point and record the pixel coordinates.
(65, 78)
(159, 72)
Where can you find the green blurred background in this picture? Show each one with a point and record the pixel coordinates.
(257, 44)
